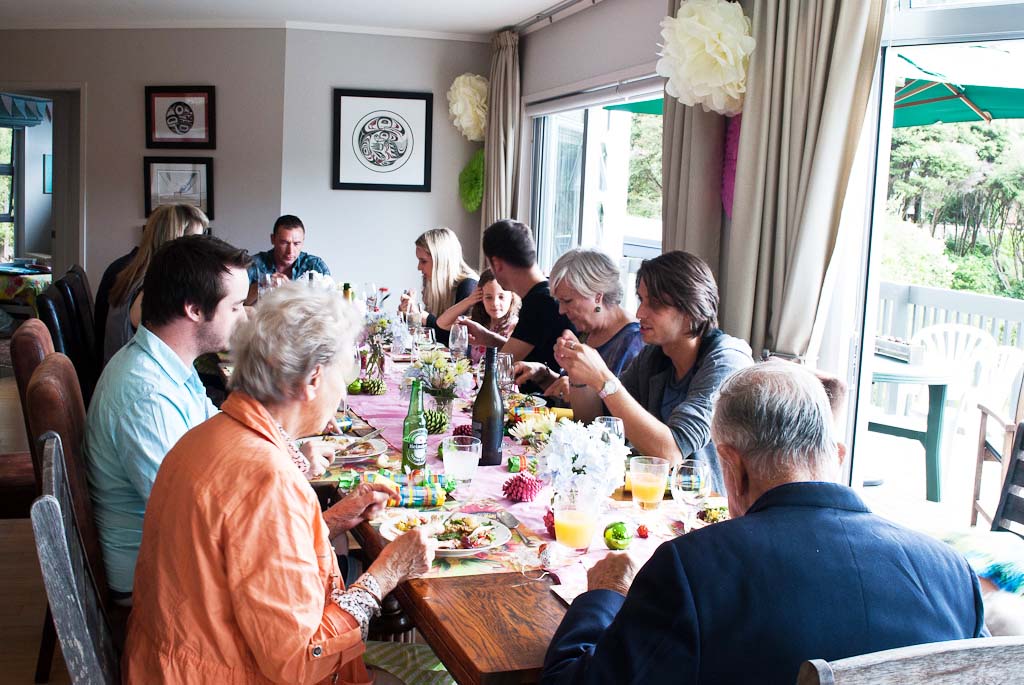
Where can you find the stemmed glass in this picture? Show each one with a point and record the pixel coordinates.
(503, 367)
(690, 483)
(424, 338)
(370, 291)
(458, 341)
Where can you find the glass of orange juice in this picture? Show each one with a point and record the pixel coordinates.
(576, 521)
(649, 478)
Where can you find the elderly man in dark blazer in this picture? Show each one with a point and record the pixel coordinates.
(803, 570)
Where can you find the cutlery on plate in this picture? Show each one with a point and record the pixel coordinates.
(506, 518)
(352, 445)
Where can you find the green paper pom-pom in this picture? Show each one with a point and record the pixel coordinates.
(471, 182)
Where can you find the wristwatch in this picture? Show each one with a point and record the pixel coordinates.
(610, 387)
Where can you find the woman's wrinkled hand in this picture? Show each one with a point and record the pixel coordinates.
(364, 502)
(408, 556)
(319, 454)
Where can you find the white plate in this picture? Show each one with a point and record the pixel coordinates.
(374, 448)
(502, 535)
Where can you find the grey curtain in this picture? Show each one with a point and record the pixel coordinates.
(504, 130)
(808, 85)
(691, 178)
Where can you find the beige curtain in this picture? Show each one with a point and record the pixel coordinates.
(807, 91)
(691, 177)
(504, 124)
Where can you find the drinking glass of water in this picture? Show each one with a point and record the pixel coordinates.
(461, 455)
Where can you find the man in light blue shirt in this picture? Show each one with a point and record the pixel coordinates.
(150, 394)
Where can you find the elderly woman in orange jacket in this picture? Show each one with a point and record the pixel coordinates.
(237, 581)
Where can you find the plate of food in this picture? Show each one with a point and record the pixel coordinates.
(518, 399)
(360, 453)
(457, 535)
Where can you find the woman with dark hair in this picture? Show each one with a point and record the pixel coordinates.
(664, 396)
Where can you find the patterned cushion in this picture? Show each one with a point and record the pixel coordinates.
(995, 556)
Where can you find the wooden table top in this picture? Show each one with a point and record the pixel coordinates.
(486, 629)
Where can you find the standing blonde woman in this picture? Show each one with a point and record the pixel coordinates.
(447, 278)
(125, 309)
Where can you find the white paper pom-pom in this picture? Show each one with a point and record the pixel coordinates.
(704, 56)
(467, 105)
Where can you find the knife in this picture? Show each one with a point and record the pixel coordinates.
(366, 438)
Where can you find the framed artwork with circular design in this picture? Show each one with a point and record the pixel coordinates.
(382, 140)
(181, 117)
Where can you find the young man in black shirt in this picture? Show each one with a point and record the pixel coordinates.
(512, 255)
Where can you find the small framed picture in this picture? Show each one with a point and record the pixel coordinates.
(181, 117)
(382, 140)
(179, 180)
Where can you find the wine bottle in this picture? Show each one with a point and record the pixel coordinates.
(489, 413)
(414, 432)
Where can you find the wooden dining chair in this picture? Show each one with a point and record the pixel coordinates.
(998, 423)
(67, 337)
(1009, 515)
(77, 292)
(957, 662)
(75, 596)
(30, 344)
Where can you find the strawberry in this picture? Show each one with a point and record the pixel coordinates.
(642, 531)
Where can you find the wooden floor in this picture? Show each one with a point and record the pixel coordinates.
(22, 597)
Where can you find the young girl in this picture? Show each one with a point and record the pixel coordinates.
(489, 305)
(447, 279)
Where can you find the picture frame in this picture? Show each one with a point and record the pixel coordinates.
(181, 117)
(47, 174)
(173, 180)
(382, 140)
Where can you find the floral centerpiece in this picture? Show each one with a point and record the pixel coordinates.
(533, 429)
(584, 460)
(704, 56)
(443, 378)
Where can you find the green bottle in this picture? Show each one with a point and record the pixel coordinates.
(414, 432)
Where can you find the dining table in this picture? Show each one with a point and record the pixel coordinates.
(488, 617)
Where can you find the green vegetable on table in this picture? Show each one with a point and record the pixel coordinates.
(617, 535)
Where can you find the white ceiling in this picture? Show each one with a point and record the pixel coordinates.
(467, 19)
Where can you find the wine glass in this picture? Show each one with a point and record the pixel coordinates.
(458, 341)
(370, 291)
(690, 483)
(613, 428)
(423, 339)
(503, 365)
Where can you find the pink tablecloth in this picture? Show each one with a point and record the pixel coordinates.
(388, 411)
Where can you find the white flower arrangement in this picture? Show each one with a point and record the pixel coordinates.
(467, 105)
(704, 56)
(583, 458)
(442, 376)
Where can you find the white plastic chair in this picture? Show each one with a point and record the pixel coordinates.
(966, 350)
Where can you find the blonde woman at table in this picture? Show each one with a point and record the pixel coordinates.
(586, 283)
(237, 580)
(122, 318)
(447, 278)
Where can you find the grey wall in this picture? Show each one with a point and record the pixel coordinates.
(368, 235)
(247, 68)
(606, 38)
(38, 215)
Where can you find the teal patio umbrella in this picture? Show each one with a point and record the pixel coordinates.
(962, 82)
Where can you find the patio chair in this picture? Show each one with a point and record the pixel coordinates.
(1001, 410)
(978, 660)
(967, 350)
(86, 638)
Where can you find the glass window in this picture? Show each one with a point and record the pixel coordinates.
(6, 194)
(597, 183)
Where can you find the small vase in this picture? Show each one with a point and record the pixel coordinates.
(443, 404)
